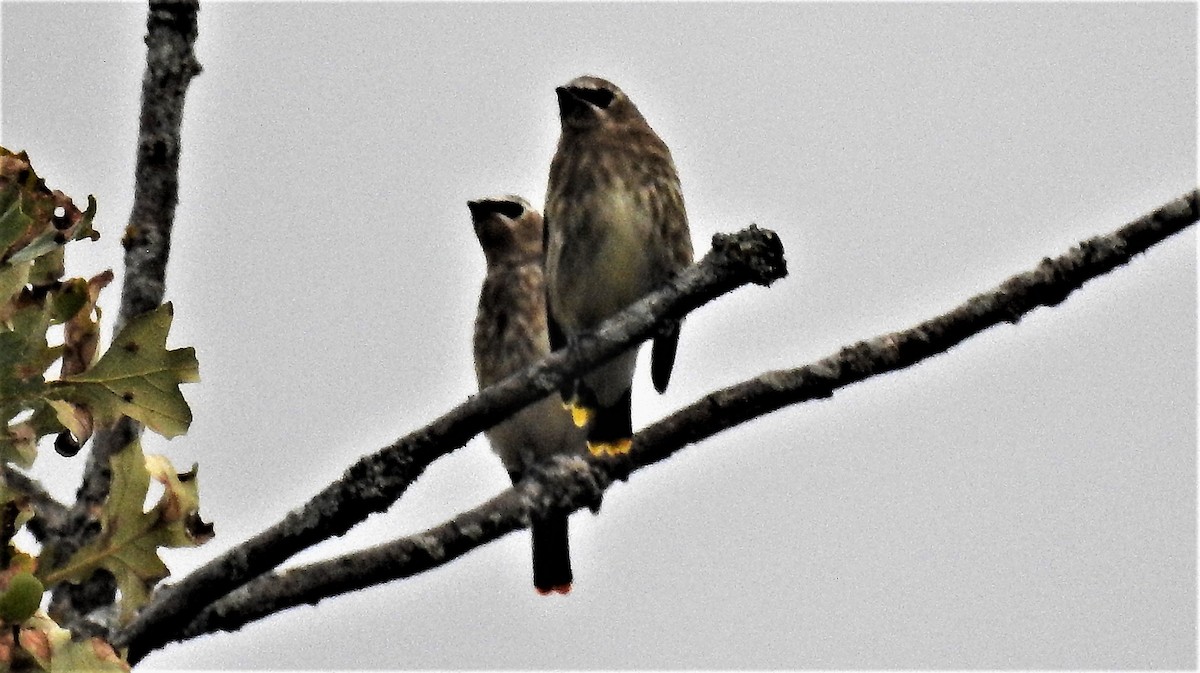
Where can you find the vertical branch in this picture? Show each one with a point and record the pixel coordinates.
(171, 30)
(170, 66)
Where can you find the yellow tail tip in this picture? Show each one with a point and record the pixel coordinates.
(615, 448)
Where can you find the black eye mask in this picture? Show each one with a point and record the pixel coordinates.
(601, 98)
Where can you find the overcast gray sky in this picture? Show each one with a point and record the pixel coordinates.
(1026, 500)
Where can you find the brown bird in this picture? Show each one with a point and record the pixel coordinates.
(616, 229)
(510, 334)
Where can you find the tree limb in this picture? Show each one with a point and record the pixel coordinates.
(373, 483)
(171, 30)
(568, 484)
(48, 513)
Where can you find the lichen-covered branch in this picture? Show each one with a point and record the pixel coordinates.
(171, 30)
(568, 484)
(373, 483)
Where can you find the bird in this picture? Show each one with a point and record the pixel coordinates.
(510, 334)
(616, 228)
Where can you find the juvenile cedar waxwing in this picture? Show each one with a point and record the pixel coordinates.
(616, 229)
(510, 334)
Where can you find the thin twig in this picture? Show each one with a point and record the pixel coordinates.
(48, 513)
(571, 483)
(373, 483)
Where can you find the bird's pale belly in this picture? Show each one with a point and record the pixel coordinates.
(596, 281)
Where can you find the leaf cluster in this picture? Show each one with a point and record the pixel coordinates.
(47, 320)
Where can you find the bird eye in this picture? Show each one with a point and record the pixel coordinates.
(510, 209)
(601, 98)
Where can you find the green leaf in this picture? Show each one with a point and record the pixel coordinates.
(24, 358)
(13, 277)
(137, 377)
(21, 599)
(130, 538)
(48, 268)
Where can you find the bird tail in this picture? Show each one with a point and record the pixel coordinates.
(551, 556)
(662, 356)
(610, 429)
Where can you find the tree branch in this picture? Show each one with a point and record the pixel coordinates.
(373, 483)
(171, 30)
(567, 484)
(48, 513)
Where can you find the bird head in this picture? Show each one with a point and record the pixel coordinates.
(589, 102)
(508, 228)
